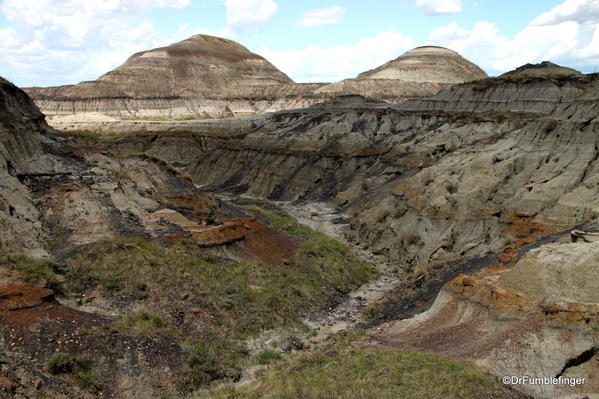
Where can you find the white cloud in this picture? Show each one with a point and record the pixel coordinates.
(328, 64)
(439, 7)
(69, 40)
(322, 16)
(581, 11)
(249, 14)
(558, 36)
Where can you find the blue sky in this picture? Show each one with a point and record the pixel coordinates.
(53, 42)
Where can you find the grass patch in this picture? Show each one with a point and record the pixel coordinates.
(30, 270)
(60, 363)
(54, 242)
(346, 371)
(267, 356)
(273, 216)
(320, 254)
(242, 297)
(205, 361)
(88, 381)
(144, 324)
(85, 136)
(63, 363)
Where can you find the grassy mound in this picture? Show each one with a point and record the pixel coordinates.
(241, 297)
(355, 372)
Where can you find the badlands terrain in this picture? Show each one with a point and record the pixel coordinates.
(194, 224)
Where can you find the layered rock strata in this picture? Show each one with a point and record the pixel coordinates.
(506, 151)
(538, 319)
(207, 77)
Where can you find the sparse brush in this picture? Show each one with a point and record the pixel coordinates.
(37, 271)
(144, 323)
(244, 297)
(61, 363)
(205, 361)
(267, 356)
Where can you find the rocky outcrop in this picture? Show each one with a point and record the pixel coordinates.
(200, 65)
(28, 147)
(538, 319)
(543, 69)
(427, 64)
(209, 77)
(56, 197)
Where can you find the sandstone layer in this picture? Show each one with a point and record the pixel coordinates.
(208, 77)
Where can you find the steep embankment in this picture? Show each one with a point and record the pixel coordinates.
(539, 318)
(26, 150)
(460, 168)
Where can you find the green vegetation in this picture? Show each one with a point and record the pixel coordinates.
(89, 137)
(88, 381)
(144, 324)
(231, 300)
(60, 363)
(205, 361)
(334, 138)
(54, 242)
(274, 216)
(86, 136)
(349, 370)
(37, 271)
(267, 356)
(242, 297)
(63, 363)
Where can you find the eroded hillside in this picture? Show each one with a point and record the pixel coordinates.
(474, 193)
(118, 278)
(469, 180)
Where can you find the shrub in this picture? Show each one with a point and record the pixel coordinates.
(144, 324)
(205, 361)
(88, 381)
(61, 363)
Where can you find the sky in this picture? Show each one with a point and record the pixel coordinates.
(56, 42)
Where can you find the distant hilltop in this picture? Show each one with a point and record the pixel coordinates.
(210, 77)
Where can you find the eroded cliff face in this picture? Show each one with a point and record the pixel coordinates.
(444, 177)
(539, 319)
(117, 272)
(470, 180)
(421, 72)
(27, 147)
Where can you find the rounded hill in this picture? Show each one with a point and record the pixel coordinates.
(200, 65)
(427, 64)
